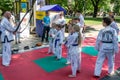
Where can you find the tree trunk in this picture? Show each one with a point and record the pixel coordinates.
(95, 11)
(47, 2)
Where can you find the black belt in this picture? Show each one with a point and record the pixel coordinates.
(107, 42)
(74, 44)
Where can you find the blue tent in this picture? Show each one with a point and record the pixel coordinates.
(39, 25)
(55, 7)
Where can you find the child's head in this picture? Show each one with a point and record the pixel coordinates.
(70, 29)
(76, 28)
(58, 26)
(112, 18)
(61, 15)
(106, 21)
(47, 13)
(77, 20)
(53, 25)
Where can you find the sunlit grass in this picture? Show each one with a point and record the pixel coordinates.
(95, 21)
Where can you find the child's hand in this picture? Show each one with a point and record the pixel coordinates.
(42, 22)
(50, 35)
(14, 33)
(60, 44)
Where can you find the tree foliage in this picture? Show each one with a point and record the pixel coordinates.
(116, 6)
(88, 7)
(6, 5)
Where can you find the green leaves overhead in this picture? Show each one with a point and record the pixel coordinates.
(6, 5)
(89, 7)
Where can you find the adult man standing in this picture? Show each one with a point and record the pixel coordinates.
(6, 37)
(114, 24)
(46, 23)
(81, 18)
(62, 22)
(81, 23)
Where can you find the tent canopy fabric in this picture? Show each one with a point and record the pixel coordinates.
(55, 7)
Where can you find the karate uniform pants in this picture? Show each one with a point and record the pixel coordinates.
(58, 51)
(6, 53)
(75, 63)
(100, 59)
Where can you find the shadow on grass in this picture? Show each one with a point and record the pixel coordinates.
(89, 28)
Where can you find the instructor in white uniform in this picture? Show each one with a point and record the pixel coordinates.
(6, 37)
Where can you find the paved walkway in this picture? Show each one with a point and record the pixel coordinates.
(91, 31)
(31, 42)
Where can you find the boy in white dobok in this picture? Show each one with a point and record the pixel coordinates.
(52, 34)
(58, 42)
(114, 24)
(67, 42)
(107, 45)
(75, 50)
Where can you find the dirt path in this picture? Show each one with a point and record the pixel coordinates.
(92, 31)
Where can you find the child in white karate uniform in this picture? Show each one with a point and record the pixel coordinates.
(52, 33)
(58, 42)
(107, 46)
(17, 35)
(114, 24)
(67, 42)
(75, 49)
(77, 21)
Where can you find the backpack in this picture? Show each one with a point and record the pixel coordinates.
(107, 36)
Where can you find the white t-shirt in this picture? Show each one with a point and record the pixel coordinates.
(61, 21)
(81, 20)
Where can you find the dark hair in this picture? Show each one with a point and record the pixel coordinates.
(112, 17)
(107, 20)
(78, 11)
(59, 26)
(47, 12)
(77, 29)
(77, 19)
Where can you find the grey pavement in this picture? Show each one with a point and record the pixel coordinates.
(91, 31)
(31, 41)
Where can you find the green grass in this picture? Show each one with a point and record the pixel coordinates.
(117, 18)
(95, 21)
(89, 21)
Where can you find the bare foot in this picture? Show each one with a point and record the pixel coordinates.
(67, 63)
(72, 76)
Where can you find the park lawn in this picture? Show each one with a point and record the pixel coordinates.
(89, 21)
(94, 21)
